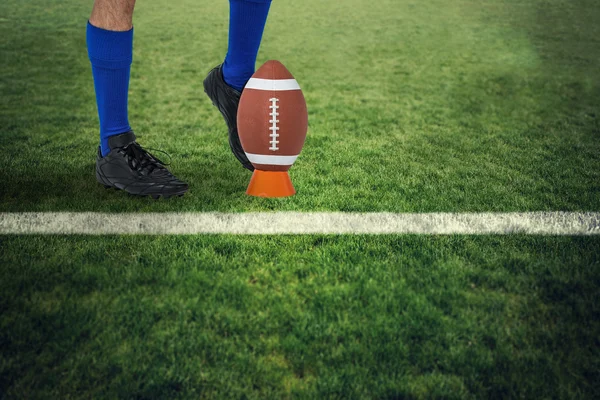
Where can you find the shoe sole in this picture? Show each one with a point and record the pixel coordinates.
(245, 164)
(213, 103)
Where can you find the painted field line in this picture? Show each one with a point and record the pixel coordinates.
(92, 223)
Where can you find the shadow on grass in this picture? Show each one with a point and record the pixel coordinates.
(47, 184)
(75, 188)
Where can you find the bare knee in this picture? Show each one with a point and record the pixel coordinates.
(114, 15)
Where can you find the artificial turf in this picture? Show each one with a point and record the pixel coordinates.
(414, 106)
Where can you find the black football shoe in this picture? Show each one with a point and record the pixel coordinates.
(130, 168)
(227, 99)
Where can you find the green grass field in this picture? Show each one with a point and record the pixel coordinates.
(414, 106)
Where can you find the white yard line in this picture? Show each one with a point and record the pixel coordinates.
(92, 223)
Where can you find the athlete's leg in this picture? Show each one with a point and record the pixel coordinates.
(110, 47)
(121, 163)
(225, 82)
(247, 20)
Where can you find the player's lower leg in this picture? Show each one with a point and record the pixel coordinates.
(224, 83)
(122, 164)
(247, 19)
(110, 48)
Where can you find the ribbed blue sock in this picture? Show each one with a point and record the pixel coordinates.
(247, 20)
(110, 54)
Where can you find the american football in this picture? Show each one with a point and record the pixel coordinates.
(272, 118)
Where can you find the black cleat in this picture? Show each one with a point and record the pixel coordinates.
(130, 168)
(227, 99)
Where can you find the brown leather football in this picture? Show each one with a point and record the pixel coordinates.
(272, 119)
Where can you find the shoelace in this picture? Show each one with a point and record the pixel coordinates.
(142, 160)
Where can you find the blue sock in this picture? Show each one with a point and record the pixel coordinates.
(247, 20)
(110, 54)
